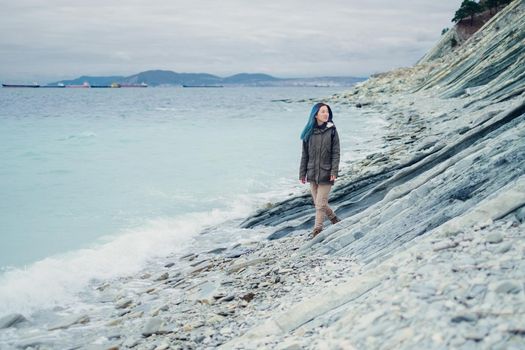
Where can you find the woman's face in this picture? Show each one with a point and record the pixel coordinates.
(323, 114)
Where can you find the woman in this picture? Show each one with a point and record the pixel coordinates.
(320, 161)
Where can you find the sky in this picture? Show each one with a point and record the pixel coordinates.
(53, 40)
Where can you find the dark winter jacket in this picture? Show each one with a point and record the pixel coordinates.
(321, 154)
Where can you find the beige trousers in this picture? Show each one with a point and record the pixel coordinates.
(320, 197)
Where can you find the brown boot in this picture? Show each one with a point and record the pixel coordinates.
(316, 231)
(335, 220)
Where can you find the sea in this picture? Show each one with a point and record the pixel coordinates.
(97, 183)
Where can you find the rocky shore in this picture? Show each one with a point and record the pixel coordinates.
(430, 252)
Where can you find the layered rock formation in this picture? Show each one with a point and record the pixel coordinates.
(453, 173)
(469, 139)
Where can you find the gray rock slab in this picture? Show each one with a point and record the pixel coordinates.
(494, 237)
(70, 321)
(123, 303)
(503, 248)
(162, 277)
(511, 287)
(155, 325)
(39, 342)
(520, 214)
(11, 320)
(464, 317)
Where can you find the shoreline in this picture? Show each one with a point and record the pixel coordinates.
(57, 326)
(429, 253)
(264, 293)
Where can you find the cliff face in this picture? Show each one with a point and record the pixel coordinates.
(452, 178)
(457, 35)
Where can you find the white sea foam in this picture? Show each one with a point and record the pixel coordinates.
(57, 280)
(122, 162)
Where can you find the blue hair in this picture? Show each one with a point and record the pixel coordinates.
(309, 127)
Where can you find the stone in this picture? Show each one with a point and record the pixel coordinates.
(476, 291)
(123, 303)
(464, 317)
(216, 250)
(11, 320)
(201, 267)
(227, 298)
(226, 331)
(154, 325)
(509, 287)
(225, 312)
(424, 291)
(520, 214)
(444, 245)
(516, 330)
(70, 321)
(200, 262)
(163, 346)
(189, 256)
(290, 346)
(199, 338)
(494, 237)
(36, 343)
(114, 322)
(474, 335)
(162, 277)
(503, 248)
(212, 319)
(239, 266)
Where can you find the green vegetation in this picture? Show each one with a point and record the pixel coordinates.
(444, 30)
(469, 8)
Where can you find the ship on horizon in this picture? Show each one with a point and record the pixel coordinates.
(34, 85)
(85, 85)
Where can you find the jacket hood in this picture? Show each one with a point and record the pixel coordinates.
(327, 126)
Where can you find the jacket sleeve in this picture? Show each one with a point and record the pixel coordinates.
(304, 161)
(336, 154)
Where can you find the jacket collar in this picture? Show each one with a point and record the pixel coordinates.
(328, 126)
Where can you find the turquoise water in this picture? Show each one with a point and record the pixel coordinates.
(103, 180)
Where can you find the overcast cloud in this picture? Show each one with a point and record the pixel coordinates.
(51, 40)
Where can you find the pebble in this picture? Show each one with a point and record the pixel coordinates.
(227, 298)
(155, 325)
(508, 287)
(123, 303)
(162, 277)
(130, 342)
(464, 317)
(503, 248)
(494, 237)
(248, 296)
(70, 321)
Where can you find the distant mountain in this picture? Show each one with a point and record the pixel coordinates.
(91, 80)
(167, 78)
(247, 78)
